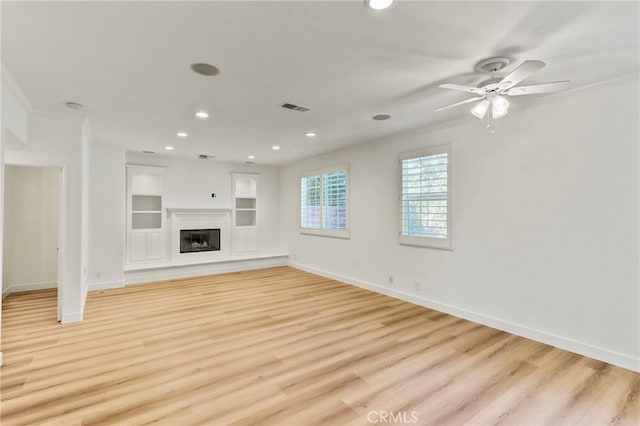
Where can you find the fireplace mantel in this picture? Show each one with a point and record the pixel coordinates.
(181, 210)
(182, 218)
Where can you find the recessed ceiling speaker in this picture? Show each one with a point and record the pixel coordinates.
(204, 69)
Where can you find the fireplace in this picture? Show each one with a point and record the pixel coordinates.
(197, 240)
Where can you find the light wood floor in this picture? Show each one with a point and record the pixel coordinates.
(282, 347)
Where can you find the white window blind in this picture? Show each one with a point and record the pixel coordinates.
(335, 200)
(425, 195)
(324, 201)
(310, 202)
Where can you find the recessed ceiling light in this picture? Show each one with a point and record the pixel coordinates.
(203, 68)
(381, 117)
(311, 134)
(251, 157)
(168, 148)
(275, 147)
(182, 134)
(378, 4)
(202, 114)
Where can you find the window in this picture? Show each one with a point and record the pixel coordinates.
(323, 203)
(425, 197)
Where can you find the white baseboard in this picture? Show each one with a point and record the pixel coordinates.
(170, 272)
(106, 285)
(71, 318)
(6, 292)
(0, 359)
(611, 357)
(17, 288)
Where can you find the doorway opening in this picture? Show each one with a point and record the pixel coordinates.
(33, 207)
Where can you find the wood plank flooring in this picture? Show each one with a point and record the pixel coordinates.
(283, 347)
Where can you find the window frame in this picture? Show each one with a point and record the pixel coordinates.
(333, 233)
(424, 241)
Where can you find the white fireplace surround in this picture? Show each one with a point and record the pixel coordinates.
(184, 218)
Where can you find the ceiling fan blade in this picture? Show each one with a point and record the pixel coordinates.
(556, 86)
(476, 90)
(460, 103)
(523, 71)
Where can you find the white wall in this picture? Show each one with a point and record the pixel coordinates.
(190, 183)
(85, 188)
(56, 140)
(30, 256)
(15, 109)
(107, 216)
(13, 128)
(545, 222)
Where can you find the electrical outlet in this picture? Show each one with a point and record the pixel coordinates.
(213, 195)
(416, 286)
(390, 279)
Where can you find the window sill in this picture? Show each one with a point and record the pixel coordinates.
(324, 233)
(426, 242)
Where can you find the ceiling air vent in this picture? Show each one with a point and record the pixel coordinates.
(294, 107)
(206, 157)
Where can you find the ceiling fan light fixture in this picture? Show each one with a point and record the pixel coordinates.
(481, 108)
(499, 106)
(378, 4)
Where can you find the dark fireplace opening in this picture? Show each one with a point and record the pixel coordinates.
(196, 240)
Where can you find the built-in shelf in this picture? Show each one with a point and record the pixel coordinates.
(245, 209)
(144, 203)
(245, 203)
(145, 223)
(146, 220)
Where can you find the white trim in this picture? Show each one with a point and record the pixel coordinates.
(6, 292)
(177, 210)
(71, 318)
(0, 359)
(568, 344)
(106, 285)
(164, 272)
(17, 288)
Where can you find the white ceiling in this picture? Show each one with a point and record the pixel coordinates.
(128, 63)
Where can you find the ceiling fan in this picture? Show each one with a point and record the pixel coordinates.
(491, 101)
